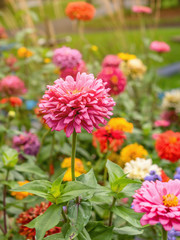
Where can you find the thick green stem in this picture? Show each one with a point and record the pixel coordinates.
(111, 213)
(74, 140)
(164, 234)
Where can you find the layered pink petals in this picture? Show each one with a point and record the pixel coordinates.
(159, 47)
(142, 9)
(71, 104)
(149, 200)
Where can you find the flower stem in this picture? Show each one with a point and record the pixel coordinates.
(111, 213)
(74, 140)
(4, 205)
(164, 234)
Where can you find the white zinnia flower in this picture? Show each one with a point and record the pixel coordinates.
(172, 100)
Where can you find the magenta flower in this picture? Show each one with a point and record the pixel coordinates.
(159, 47)
(12, 86)
(114, 79)
(66, 57)
(27, 143)
(73, 71)
(161, 123)
(111, 61)
(72, 104)
(160, 201)
(141, 9)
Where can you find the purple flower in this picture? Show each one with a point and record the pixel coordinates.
(66, 57)
(177, 175)
(27, 143)
(172, 234)
(153, 176)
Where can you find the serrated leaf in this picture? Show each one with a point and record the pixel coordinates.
(46, 221)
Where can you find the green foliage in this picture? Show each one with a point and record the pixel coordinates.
(9, 157)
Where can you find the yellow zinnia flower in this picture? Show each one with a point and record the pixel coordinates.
(133, 151)
(126, 56)
(79, 167)
(23, 52)
(21, 195)
(68, 175)
(47, 60)
(94, 48)
(121, 124)
(114, 157)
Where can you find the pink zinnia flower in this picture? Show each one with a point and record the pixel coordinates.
(111, 61)
(161, 123)
(73, 71)
(114, 78)
(72, 104)
(155, 136)
(159, 47)
(12, 86)
(160, 201)
(141, 9)
(66, 57)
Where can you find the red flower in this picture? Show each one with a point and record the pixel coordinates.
(15, 101)
(108, 138)
(26, 217)
(4, 100)
(168, 146)
(164, 177)
(80, 10)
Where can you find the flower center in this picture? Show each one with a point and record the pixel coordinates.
(172, 139)
(170, 200)
(114, 79)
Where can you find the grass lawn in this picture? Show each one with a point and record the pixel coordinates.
(111, 42)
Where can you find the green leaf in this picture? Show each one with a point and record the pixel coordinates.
(114, 171)
(98, 231)
(9, 157)
(129, 215)
(56, 185)
(30, 168)
(57, 236)
(74, 189)
(79, 215)
(46, 221)
(127, 231)
(118, 185)
(129, 190)
(88, 179)
(38, 187)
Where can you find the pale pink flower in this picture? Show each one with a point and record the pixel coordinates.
(160, 201)
(159, 47)
(155, 136)
(71, 104)
(141, 9)
(111, 61)
(12, 86)
(161, 123)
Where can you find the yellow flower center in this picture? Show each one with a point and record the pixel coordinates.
(114, 79)
(172, 139)
(170, 200)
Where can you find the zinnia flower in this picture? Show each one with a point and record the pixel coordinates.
(12, 86)
(66, 57)
(136, 68)
(114, 79)
(73, 71)
(133, 151)
(71, 104)
(121, 124)
(79, 166)
(126, 56)
(14, 101)
(161, 123)
(23, 52)
(3, 33)
(80, 10)
(111, 61)
(27, 143)
(140, 167)
(168, 146)
(160, 201)
(10, 62)
(108, 138)
(171, 101)
(21, 195)
(141, 9)
(68, 175)
(27, 216)
(160, 47)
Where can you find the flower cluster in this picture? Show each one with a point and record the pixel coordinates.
(27, 143)
(13, 101)
(121, 124)
(133, 151)
(140, 168)
(71, 104)
(21, 195)
(12, 86)
(27, 216)
(160, 201)
(159, 47)
(108, 138)
(80, 10)
(168, 146)
(153, 176)
(79, 168)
